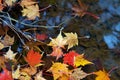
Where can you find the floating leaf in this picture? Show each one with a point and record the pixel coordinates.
(57, 52)
(78, 74)
(25, 3)
(69, 58)
(102, 75)
(1, 46)
(33, 58)
(6, 75)
(58, 70)
(72, 39)
(24, 76)
(38, 76)
(10, 55)
(58, 42)
(79, 60)
(16, 73)
(10, 2)
(31, 12)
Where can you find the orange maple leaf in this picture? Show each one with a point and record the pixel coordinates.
(33, 58)
(102, 75)
(57, 52)
(1, 5)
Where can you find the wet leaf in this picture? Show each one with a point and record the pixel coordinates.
(72, 39)
(1, 5)
(58, 42)
(69, 58)
(38, 76)
(31, 12)
(6, 75)
(1, 46)
(41, 37)
(102, 75)
(57, 52)
(78, 74)
(24, 76)
(10, 2)
(8, 41)
(33, 58)
(80, 60)
(10, 55)
(16, 73)
(25, 3)
(58, 70)
(2, 61)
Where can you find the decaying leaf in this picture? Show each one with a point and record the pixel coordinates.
(8, 41)
(78, 74)
(24, 76)
(2, 61)
(10, 2)
(58, 70)
(72, 39)
(10, 55)
(57, 52)
(102, 75)
(80, 60)
(38, 76)
(31, 12)
(1, 46)
(58, 42)
(33, 58)
(29, 70)
(16, 73)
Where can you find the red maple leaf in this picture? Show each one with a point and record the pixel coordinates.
(33, 58)
(69, 58)
(41, 37)
(5, 75)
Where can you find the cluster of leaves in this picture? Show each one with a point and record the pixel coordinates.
(34, 58)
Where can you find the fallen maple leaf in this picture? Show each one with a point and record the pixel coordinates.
(24, 76)
(58, 70)
(10, 2)
(5, 75)
(78, 74)
(10, 55)
(72, 39)
(41, 37)
(79, 60)
(58, 42)
(7, 40)
(16, 73)
(69, 58)
(38, 76)
(102, 75)
(1, 5)
(57, 52)
(31, 12)
(1, 46)
(33, 58)
(25, 3)
(3, 60)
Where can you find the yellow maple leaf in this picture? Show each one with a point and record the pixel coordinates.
(10, 2)
(102, 75)
(58, 42)
(25, 3)
(58, 70)
(72, 39)
(1, 46)
(31, 12)
(16, 73)
(79, 60)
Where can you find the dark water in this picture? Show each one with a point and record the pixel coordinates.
(103, 46)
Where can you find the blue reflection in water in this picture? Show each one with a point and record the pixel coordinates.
(110, 9)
